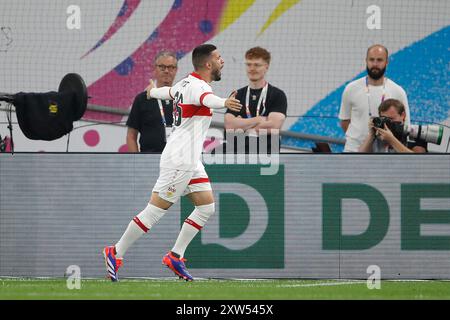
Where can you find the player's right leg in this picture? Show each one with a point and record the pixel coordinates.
(112, 263)
(144, 221)
(137, 227)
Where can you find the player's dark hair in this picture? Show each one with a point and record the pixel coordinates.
(201, 54)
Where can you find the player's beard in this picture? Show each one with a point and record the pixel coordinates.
(216, 75)
(376, 73)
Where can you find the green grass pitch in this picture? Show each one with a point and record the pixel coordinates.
(170, 289)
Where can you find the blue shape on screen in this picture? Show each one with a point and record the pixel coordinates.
(124, 9)
(177, 4)
(180, 54)
(125, 67)
(205, 26)
(153, 36)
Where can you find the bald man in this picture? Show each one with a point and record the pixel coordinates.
(361, 98)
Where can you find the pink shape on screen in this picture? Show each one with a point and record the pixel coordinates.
(8, 144)
(211, 143)
(123, 148)
(180, 31)
(128, 7)
(91, 138)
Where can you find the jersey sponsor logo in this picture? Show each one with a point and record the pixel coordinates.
(247, 229)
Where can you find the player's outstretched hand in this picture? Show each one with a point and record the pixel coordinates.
(150, 86)
(232, 103)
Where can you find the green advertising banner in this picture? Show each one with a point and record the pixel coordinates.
(248, 228)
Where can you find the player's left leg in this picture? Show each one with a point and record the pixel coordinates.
(204, 208)
(200, 193)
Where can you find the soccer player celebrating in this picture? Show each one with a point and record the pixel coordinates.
(181, 170)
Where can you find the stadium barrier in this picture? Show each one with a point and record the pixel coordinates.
(315, 216)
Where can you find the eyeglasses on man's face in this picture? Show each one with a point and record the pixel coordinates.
(164, 67)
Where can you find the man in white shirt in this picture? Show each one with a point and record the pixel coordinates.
(361, 98)
(181, 171)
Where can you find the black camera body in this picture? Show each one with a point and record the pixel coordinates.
(397, 128)
(379, 122)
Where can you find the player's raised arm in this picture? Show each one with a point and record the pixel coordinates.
(158, 93)
(214, 102)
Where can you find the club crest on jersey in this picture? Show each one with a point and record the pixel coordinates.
(171, 190)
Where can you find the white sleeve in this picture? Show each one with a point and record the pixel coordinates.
(345, 111)
(404, 100)
(161, 93)
(210, 100)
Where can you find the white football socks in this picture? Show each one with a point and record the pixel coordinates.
(191, 226)
(140, 224)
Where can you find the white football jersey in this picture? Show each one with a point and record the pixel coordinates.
(190, 124)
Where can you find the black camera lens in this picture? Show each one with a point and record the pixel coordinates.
(378, 122)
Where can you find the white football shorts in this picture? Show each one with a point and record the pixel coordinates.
(173, 183)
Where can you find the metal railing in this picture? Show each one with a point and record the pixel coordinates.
(220, 125)
(217, 124)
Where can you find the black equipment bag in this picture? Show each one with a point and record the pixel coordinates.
(49, 116)
(44, 116)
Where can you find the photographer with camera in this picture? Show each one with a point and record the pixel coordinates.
(362, 96)
(387, 132)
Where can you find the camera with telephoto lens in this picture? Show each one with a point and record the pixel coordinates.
(429, 133)
(395, 127)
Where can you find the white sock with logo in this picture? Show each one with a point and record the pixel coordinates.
(140, 225)
(191, 226)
